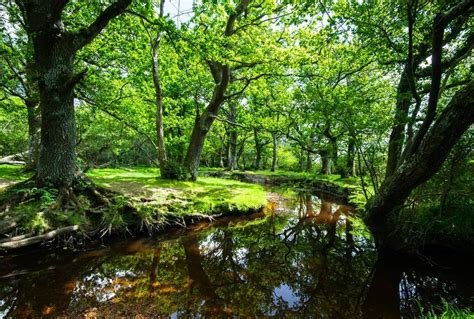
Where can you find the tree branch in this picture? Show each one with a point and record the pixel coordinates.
(86, 35)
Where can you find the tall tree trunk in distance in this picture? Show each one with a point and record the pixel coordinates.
(202, 124)
(309, 163)
(232, 151)
(155, 48)
(301, 160)
(258, 149)
(325, 162)
(239, 154)
(334, 156)
(274, 151)
(350, 167)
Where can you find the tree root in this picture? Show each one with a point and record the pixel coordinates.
(7, 225)
(20, 243)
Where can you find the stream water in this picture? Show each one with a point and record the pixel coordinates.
(304, 257)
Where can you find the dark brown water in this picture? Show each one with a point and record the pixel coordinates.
(304, 257)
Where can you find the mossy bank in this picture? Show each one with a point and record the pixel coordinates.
(143, 203)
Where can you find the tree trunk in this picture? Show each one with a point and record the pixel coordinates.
(258, 150)
(57, 161)
(397, 137)
(32, 103)
(159, 109)
(34, 132)
(54, 50)
(350, 167)
(221, 75)
(309, 163)
(274, 152)
(155, 44)
(423, 164)
(232, 151)
(201, 127)
(334, 156)
(325, 162)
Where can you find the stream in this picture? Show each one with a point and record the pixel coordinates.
(305, 256)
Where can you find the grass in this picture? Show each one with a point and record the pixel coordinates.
(425, 225)
(447, 311)
(156, 200)
(13, 172)
(206, 195)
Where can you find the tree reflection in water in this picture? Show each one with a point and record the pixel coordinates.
(312, 260)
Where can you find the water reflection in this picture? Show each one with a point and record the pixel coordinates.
(304, 257)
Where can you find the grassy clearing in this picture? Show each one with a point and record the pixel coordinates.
(156, 201)
(206, 195)
(9, 173)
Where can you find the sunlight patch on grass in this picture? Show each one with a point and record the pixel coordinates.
(207, 195)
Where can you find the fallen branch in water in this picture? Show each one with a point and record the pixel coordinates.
(13, 244)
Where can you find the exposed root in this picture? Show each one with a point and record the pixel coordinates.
(20, 243)
(66, 199)
(14, 238)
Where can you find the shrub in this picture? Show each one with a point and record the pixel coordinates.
(173, 170)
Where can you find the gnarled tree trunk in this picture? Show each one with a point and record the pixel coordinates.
(424, 163)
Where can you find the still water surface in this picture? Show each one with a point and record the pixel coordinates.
(304, 257)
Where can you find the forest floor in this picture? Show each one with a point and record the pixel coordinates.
(156, 203)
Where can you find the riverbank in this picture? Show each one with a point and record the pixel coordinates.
(144, 203)
(330, 186)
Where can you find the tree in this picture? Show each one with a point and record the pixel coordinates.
(19, 78)
(54, 50)
(415, 156)
(221, 74)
